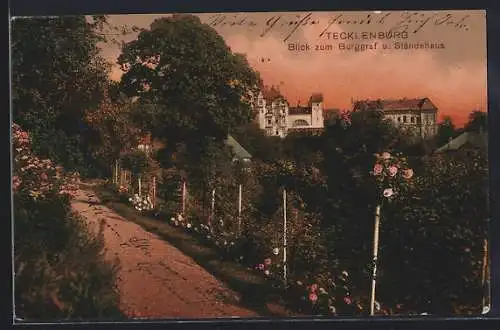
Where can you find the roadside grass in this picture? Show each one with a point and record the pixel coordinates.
(256, 293)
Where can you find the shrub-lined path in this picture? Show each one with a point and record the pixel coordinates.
(156, 280)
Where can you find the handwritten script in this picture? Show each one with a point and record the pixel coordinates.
(395, 22)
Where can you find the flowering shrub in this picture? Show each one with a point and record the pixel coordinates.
(143, 203)
(59, 266)
(37, 178)
(392, 174)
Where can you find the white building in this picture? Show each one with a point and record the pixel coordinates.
(277, 118)
(418, 115)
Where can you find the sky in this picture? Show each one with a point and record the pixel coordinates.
(452, 74)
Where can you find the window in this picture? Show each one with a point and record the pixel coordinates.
(399, 119)
(269, 121)
(404, 119)
(300, 122)
(412, 119)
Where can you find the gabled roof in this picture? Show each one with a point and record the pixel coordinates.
(394, 105)
(477, 140)
(271, 93)
(239, 151)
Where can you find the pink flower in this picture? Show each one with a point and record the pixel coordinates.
(260, 266)
(267, 261)
(386, 155)
(407, 174)
(16, 182)
(313, 297)
(348, 300)
(377, 169)
(393, 170)
(314, 287)
(388, 192)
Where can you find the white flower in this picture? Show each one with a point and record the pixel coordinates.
(388, 192)
(267, 272)
(332, 309)
(276, 251)
(322, 290)
(377, 305)
(172, 219)
(345, 273)
(188, 225)
(486, 310)
(299, 283)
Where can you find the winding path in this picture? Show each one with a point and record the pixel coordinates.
(156, 280)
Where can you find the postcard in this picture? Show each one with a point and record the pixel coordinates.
(250, 165)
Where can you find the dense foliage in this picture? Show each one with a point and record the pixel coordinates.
(334, 183)
(58, 74)
(59, 268)
(188, 81)
(189, 90)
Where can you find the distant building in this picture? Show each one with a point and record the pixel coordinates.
(277, 118)
(240, 153)
(418, 115)
(466, 141)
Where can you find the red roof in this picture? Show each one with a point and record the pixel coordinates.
(395, 105)
(271, 94)
(145, 139)
(316, 97)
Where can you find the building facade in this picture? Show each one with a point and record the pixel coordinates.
(277, 118)
(417, 115)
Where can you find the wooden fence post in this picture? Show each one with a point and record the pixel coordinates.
(240, 191)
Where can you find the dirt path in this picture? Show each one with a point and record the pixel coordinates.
(156, 279)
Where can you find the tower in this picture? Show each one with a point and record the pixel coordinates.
(316, 104)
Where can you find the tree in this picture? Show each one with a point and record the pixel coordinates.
(446, 131)
(349, 148)
(478, 120)
(110, 131)
(188, 81)
(436, 241)
(257, 143)
(57, 74)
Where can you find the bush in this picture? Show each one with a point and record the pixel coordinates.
(60, 268)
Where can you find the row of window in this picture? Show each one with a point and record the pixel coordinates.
(414, 119)
(404, 119)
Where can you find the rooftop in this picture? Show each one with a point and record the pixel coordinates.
(474, 139)
(395, 105)
(271, 93)
(239, 151)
